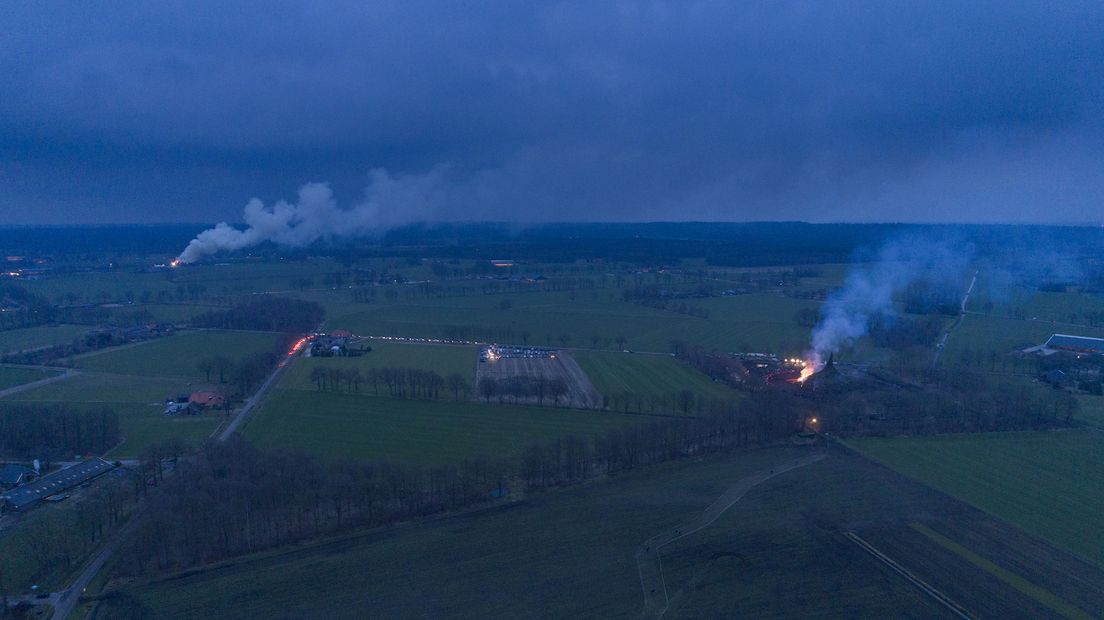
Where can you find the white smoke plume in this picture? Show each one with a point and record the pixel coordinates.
(389, 201)
(869, 289)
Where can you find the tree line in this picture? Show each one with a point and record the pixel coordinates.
(524, 387)
(957, 401)
(45, 431)
(411, 383)
(241, 376)
(265, 313)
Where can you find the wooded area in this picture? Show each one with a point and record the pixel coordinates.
(50, 431)
(266, 313)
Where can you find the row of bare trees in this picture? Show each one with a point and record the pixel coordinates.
(524, 388)
(410, 383)
(244, 374)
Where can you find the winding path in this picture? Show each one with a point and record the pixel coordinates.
(648, 562)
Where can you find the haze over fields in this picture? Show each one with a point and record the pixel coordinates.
(669, 309)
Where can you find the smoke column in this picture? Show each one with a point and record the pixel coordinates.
(389, 201)
(869, 290)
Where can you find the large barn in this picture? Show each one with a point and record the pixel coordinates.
(57, 482)
(1076, 344)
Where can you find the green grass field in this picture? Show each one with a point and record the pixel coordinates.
(571, 554)
(1004, 335)
(100, 387)
(143, 425)
(136, 380)
(1043, 482)
(442, 359)
(1092, 410)
(755, 322)
(416, 431)
(13, 340)
(650, 375)
(177, 356)
(11, 377)
(137, 400)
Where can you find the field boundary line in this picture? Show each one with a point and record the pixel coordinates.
(1034, 591)
(926, 588)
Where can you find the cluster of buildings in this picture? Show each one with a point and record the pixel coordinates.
(1069, 361)
(1070, 345)
(494, 352)
(23, 487)
(333, 344)
(194, 403)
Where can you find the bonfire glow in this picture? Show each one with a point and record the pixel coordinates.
(809, 366)
(174, 263)
(806, 372)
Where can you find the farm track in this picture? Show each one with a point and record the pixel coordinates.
(65, 600)
(64, 374)
(583, 390)
(648, 561)
(924, 587)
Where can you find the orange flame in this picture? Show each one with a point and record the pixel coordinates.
(174, 263)
(806, 372)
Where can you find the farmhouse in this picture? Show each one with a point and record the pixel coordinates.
(1065, 343)
(331, 345)
(13, 475)
(57, 482)
(1076, 344)
(207, 400)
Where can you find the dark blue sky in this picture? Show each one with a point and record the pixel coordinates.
(526, 111)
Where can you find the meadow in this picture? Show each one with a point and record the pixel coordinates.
(27, 338)
(1002, 335)
(442, 359)
(1092, 410)
(176, 356)
(648, 375)
(11, 376)
(414, 431)
(135, 380)
(516, 559)
(1043, 482)
(593, 319)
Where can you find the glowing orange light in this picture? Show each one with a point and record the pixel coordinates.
(175, 262)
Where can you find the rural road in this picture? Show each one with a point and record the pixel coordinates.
(65, 600)
(256, 399)
(942, 344)
(64, 374)
(648, 563)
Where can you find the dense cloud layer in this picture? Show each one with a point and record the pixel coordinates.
(525, 111)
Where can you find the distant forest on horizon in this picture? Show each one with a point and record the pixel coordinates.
(719, 243)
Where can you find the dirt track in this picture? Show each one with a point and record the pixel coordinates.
(648, 563)
(63, 373)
